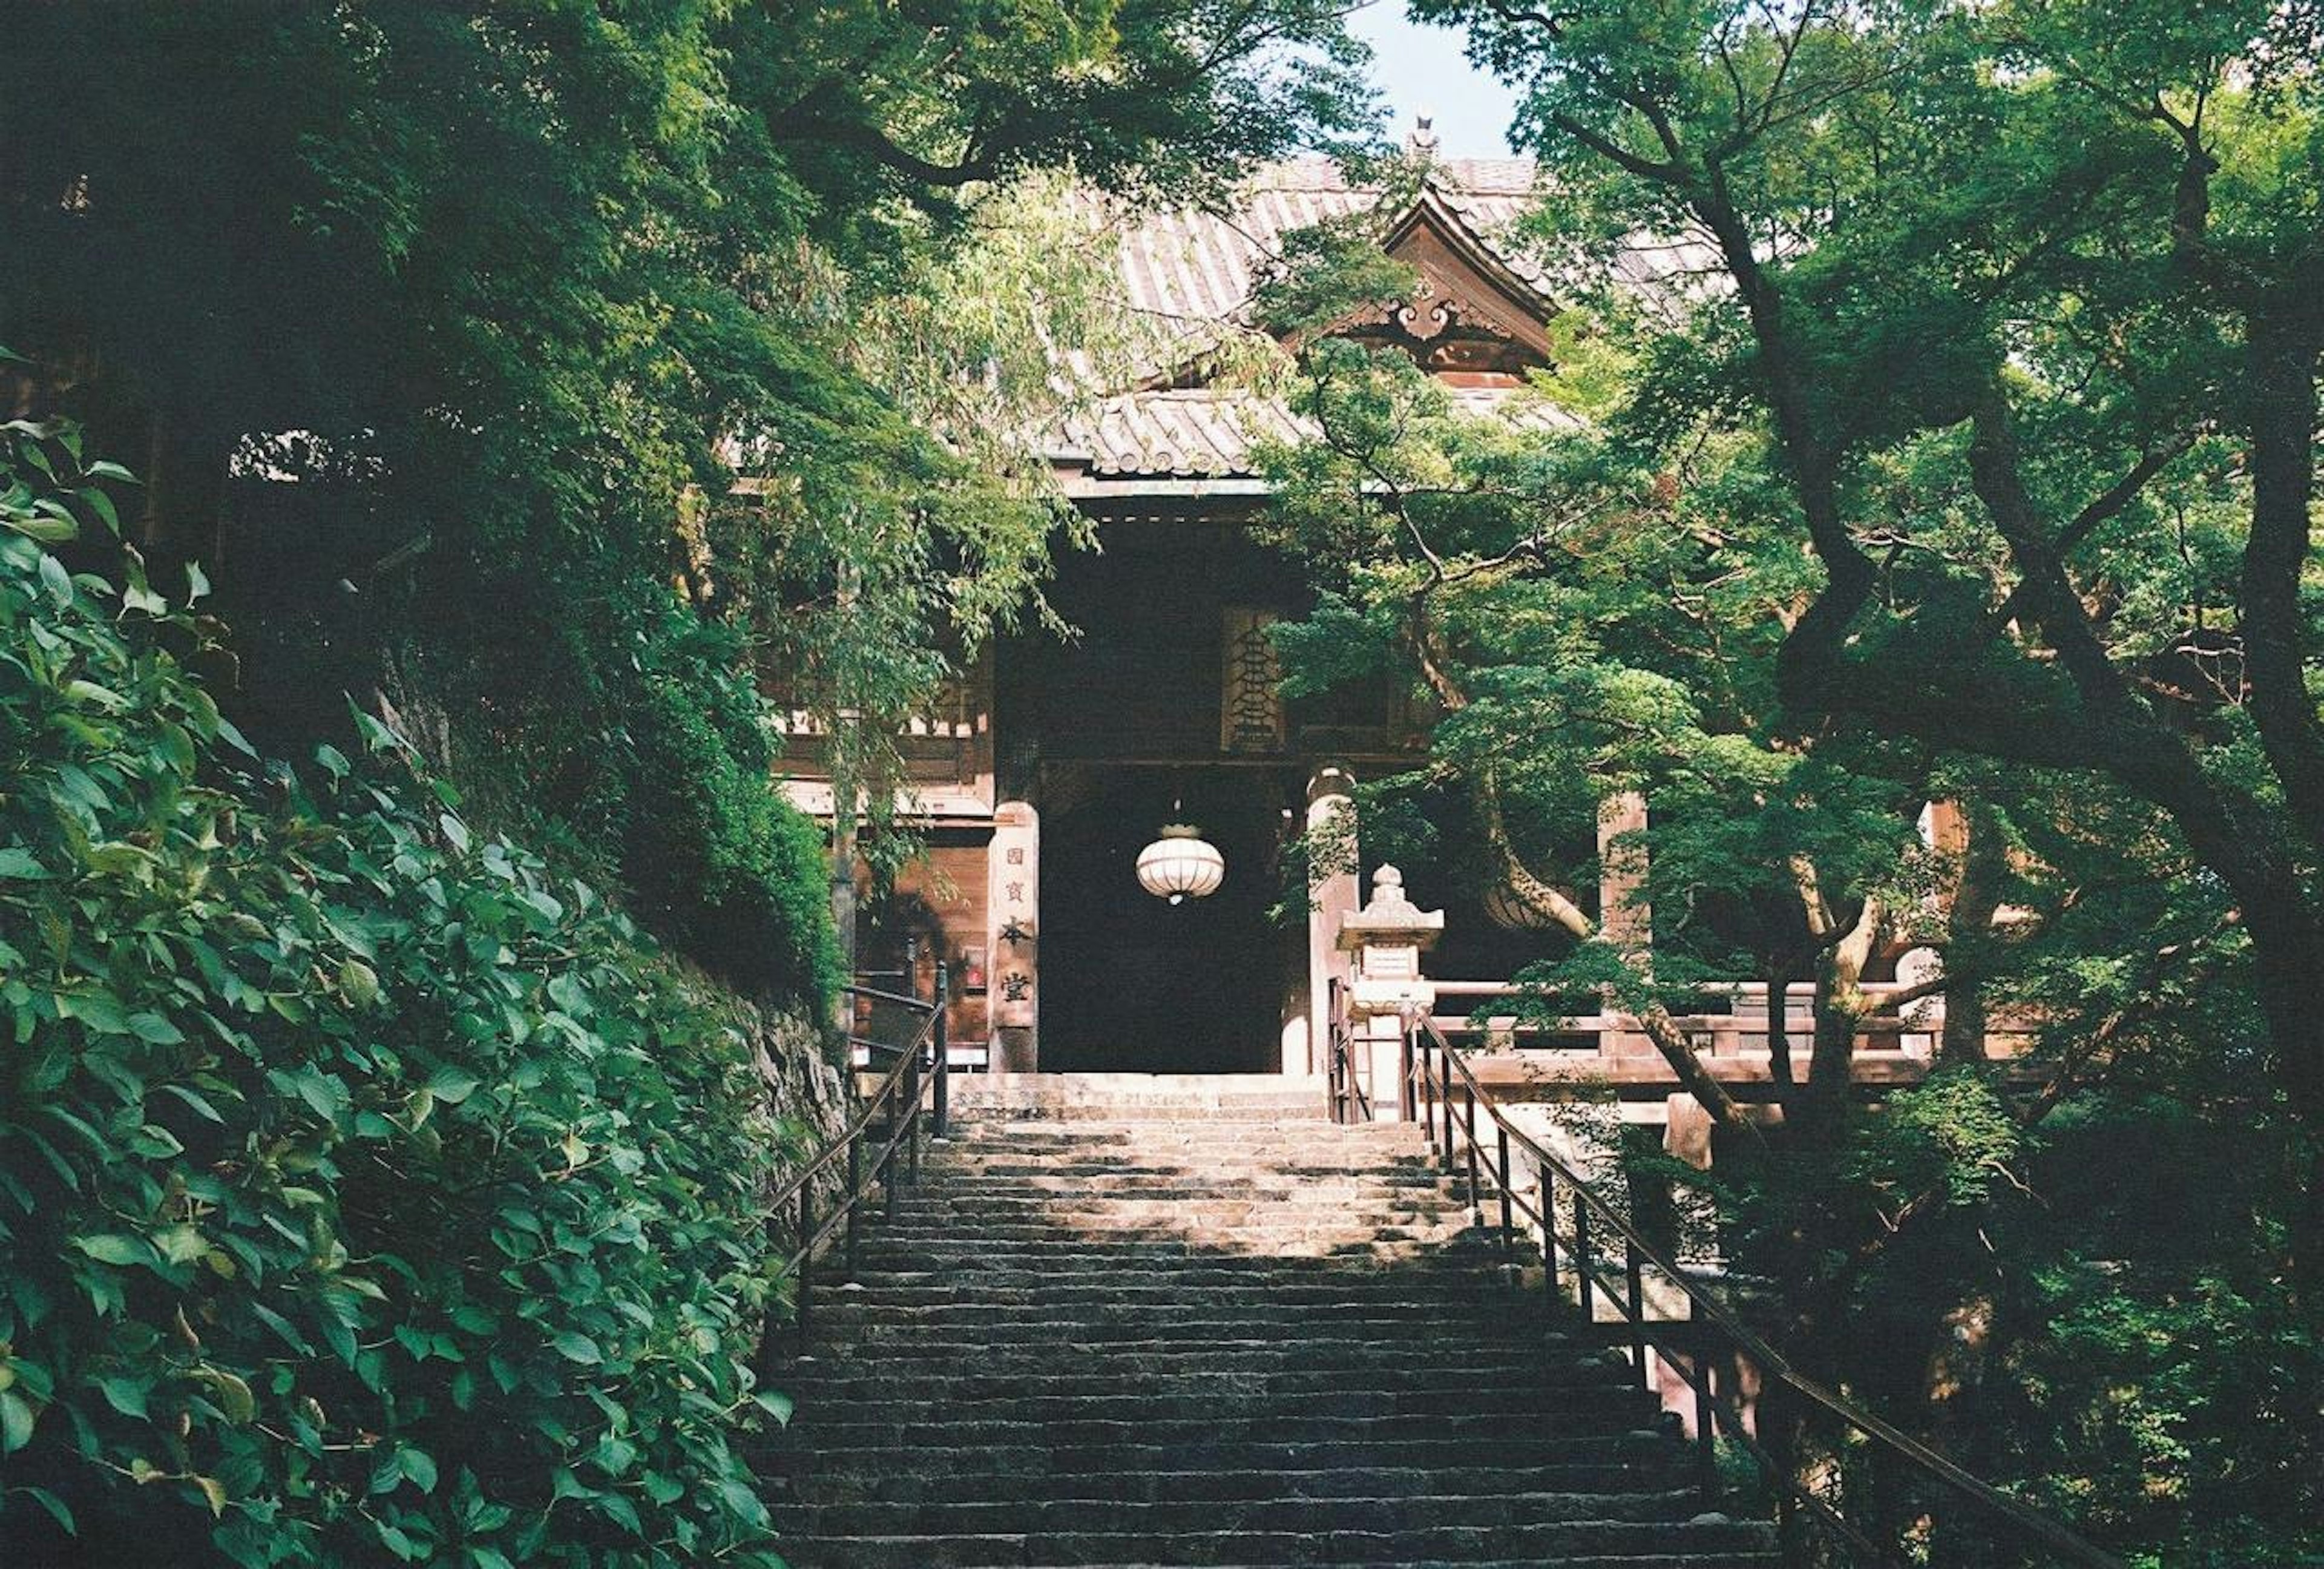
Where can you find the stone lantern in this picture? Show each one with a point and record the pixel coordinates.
(1387, 938)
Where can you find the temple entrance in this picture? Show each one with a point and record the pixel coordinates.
(1131, 983)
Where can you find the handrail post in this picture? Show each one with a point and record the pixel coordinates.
(944, 1054)
(916, 1077)
(1468, 1131)
(1583, 1264)
(1552, 1295)
(912, 1130)
(1508, 1198)
(1445, 1096)
(1425, 1094)
(888, 1164)
(855, 1201)
(806, 1255)
(1632, 1268)
(1706, 1429)
(1407, 1097)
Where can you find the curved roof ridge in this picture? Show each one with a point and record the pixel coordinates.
(1508, 176)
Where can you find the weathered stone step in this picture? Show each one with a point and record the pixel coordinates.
(1192, 1231)
(1652, 1454)
(1036, 1292)
(1413, 1328)
(1245, 1147)
(1319, 1413)
(1314, 1417)
(1120, 1094)
(957, 1249)
(1421, 1269)
(848, 1382)
(1274, 1513)
(1254, 1226)
(1664, 1480)
(962, 1190)
(1183, 1358)
(1546, 1542)
(1128, 1322)
(1748, 1560)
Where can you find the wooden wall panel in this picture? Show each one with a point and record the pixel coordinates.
(940, 899)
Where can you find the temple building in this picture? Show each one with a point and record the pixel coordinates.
(1051, 764)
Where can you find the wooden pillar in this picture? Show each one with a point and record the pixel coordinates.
(1013, 922)
(1333, 893)
(1622, 908)
(1623, 913)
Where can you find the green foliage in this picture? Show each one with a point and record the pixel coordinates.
(1942, 489)
(1953, 1134)
(513, 294)
(721, 863)
(368, 1192)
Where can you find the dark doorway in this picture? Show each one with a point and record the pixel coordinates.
(1129, 982)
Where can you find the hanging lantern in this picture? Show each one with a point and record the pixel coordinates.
(1181, 865)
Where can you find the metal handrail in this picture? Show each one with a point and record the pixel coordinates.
(1349, 1101)
(923, 1063)
(1432, 1093)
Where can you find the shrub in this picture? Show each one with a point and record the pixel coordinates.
(719, 863)
(367, 1191)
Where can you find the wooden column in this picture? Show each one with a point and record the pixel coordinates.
(1623, 913)
(1333, 893)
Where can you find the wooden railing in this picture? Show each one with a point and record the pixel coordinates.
(1446, 1096)
(1730, 1034)
(913, 1093)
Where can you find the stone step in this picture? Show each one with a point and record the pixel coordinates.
(1121, 1322)
(1173, 1095)
(1767, 1560)
(1069, 1293)
(1212, 1187)
(1652, 1453)
(1466, 1263)
(1412, 1325)
(1555, 1542)
(945, 1243)
(1446, 1415)
(971, 1482)
(1190, 1359)
(1516, 1376)
(1257, 1236)
(1277, 1512)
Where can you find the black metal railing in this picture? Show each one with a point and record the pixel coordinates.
(1440, 1091)
(879, 1147)
(1351, 1094)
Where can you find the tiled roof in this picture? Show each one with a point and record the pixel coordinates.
(1195, 269)
(1193, 272)
(1206, 435)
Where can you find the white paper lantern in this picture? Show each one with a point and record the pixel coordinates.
(1181, 865)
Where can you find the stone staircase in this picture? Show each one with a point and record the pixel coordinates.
(1144, 1321)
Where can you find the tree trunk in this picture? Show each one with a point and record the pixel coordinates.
(1968, 924)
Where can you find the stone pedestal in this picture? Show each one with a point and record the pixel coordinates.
(1386, 938)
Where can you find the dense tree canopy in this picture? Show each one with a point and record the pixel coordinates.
(2026, 301)
(501, 291)
(1960, 448)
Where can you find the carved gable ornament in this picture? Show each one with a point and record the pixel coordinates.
(1468, 312)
